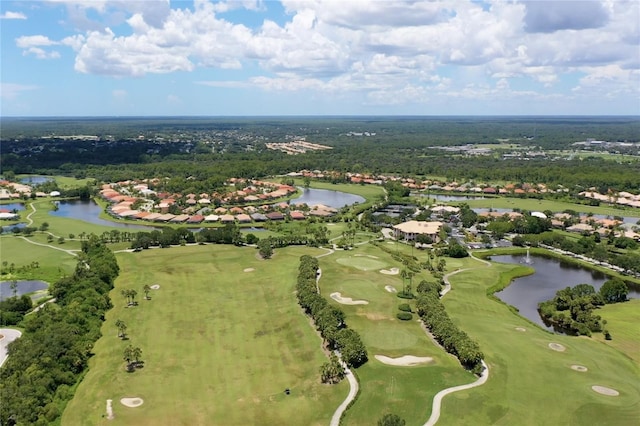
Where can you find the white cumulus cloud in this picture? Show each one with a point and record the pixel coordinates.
(13, 15)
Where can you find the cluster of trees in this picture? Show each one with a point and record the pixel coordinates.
(526, 224)
(165, 238)
(45, 364)
(572, 309)
(13, 309)
(444, 330)
(328, 319)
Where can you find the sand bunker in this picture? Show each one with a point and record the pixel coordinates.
(605, 391)
(404, 361)
(109, 410)
(155, 287)
(249, 269)
(347, 300)
(132, 402)
(521, 329)
(390, 242)
(392, 271)
(580, 368)
(557, 347)
(390, 289)
(366, 255)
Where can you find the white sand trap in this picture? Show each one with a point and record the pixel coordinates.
(392, 271)
(109, 410)
(580, 368)
(132, 402)
(404, 361)
(249, 269)
(347, 300)
(390, 242)
(366, 255)
(605, 391)
(390, 289)
(557, 347)
(521, 329)
(155, 287)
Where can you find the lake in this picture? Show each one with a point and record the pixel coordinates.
(551, 275)
(89, 211)
(336, 199)
(23, 287)
(35, 180)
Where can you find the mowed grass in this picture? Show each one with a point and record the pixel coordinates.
(530, 384)
(407, 391)
(623, 322)
(220, 345)
(53, 264)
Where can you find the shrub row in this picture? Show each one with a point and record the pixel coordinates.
(328, 319)
(454, 340)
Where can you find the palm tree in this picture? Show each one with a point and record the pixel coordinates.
(146, 290)
(136, 353)
(133, 294)
(122, 327)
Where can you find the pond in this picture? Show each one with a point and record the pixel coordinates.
(23, 287)
(35, 180)
(9, 228)
(89, 211)
(336, 199)
(551, 275)
(12, 206)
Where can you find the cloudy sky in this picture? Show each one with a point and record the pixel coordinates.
(319, 57)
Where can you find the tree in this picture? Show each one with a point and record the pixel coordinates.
(391, 420)
(44, 226)
(146, 290)
(614, 290)
(122, 328)
(265, 249)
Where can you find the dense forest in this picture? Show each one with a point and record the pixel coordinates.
(45, 364)
(212, 150)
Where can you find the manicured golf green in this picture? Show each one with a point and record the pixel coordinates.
(222, 338)
(403, 390)
(531, 384)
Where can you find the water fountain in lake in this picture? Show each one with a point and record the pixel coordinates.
(527, 260)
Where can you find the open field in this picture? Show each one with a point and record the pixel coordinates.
(219, 345)
(526, 374)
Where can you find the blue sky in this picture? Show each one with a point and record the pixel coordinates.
(319, 57)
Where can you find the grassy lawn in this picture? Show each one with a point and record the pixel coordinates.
(220, 345)
(623, 321)
(532, 204)
(53, 264)
(407, 391)
(530, 384)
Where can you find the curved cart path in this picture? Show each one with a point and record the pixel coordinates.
(437, 400)
(353, 382)
(8, 336)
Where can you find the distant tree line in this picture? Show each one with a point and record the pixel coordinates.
(46, 363)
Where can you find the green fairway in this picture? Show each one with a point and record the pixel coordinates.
(383, 388)
(52, 264)
(623, 322)
(531, 384)
(220, 345)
